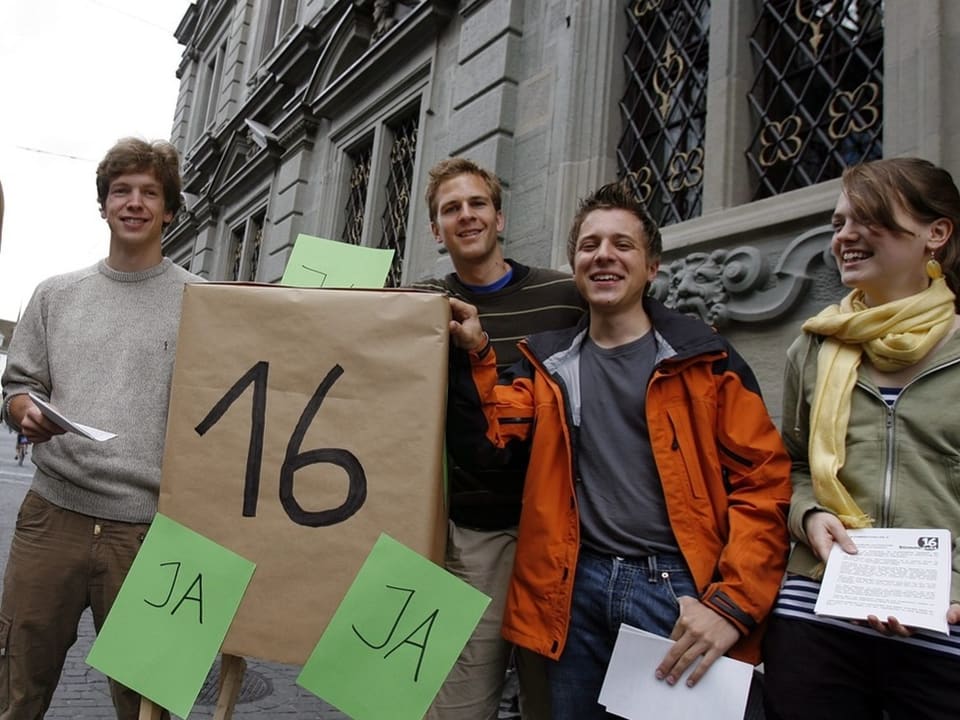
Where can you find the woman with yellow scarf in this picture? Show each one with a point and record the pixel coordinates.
(871, 418)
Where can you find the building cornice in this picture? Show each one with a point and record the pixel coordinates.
(404, 40)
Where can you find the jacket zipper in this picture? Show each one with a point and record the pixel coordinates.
(568, 419)
(565, 404)
(891, 432)
(888, 472)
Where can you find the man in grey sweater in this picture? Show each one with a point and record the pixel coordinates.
(99, 345)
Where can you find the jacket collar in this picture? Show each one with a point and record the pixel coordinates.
(678, 336)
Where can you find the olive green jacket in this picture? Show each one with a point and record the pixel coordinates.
(903, 463)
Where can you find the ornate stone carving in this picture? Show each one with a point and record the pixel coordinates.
(737, 285)
(384, 14)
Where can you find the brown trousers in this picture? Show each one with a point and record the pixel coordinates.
(60, 563)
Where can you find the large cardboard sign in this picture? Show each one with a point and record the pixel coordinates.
(303, 423)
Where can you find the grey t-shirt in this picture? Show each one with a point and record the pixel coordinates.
(622, 509)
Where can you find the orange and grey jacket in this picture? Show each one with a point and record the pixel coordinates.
(722, 465)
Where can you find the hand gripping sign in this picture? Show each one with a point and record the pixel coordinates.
(303, 423)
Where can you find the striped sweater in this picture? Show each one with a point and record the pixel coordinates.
(535, 299)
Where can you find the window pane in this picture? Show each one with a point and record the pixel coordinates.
(357, 200)
(236, 253)
(664, 106)
(394, 219)
(256, 240)
(817, 98)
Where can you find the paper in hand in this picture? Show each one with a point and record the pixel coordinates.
(54, 416)
(899, 572)
(630, 689)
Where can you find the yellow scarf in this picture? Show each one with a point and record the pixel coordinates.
(894, 336)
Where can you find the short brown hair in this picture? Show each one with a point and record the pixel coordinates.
(454, 167)
(615, 196)
(131, 155)
(926, 192)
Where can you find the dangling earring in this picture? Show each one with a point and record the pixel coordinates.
(934, 271)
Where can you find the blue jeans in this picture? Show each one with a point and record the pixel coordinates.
(608, 591)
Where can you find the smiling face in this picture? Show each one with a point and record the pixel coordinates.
(135, 211)
(611, 263)
(883, 263)
(467, 223)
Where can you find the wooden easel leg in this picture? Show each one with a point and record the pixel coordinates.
(232, 669)
(148, 710)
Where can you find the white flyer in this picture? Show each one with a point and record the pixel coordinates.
(630, 689)
(54, 415)
(899, 572)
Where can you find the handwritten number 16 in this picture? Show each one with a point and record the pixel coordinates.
(294, 459)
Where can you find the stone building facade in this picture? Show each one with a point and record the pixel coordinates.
(732, 118)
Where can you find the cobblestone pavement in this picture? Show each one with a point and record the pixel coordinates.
(269, 689)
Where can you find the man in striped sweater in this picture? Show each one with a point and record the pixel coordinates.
(514, 301)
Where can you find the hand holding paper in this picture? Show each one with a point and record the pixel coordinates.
(898, 573)
(953, 614)
(823, 529)
(23, 412)
(630, 689)
(699, 633)
(52, 414)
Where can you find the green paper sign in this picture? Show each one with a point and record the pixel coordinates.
(171, 615)
(316, 262)
(395, 636)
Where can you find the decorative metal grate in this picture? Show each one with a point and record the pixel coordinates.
(664, 106)
(402, 154)
(256, 241)
(237, 261)
(240, 247)
(817, 98)
(357, 201)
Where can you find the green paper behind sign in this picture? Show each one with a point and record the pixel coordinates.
(316, 262)
(171, 615)
(395, 636)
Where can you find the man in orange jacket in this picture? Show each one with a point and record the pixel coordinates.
(657, 487)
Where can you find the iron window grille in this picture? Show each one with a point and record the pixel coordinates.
(357, 199)
(394, 219)
(237, 259)
(664, 107)
(256, 242)
(817, 98)
(247, 241)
